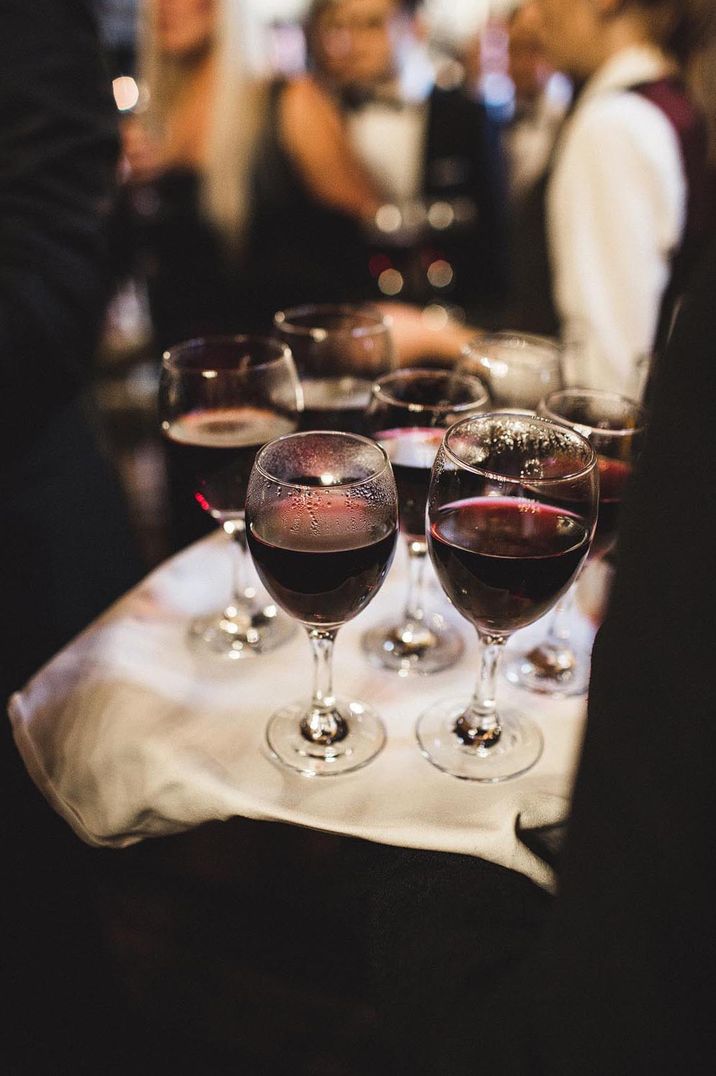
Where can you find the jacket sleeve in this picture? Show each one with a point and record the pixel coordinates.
(57, 163)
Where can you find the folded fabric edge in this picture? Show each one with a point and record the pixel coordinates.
(37, 772)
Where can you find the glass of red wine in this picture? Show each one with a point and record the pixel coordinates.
(408, 415)
(339, 351)
(614, 425)
(519, 369)
(511, 512)
(322, 518)
(220, 400)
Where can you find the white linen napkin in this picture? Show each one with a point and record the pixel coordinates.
(130, 734)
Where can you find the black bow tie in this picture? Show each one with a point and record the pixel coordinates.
(354, 99)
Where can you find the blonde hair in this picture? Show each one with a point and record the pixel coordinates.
(237, 111)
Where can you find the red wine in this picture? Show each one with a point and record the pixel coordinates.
(325, 574)
(613, 479)
(211, 453)
(504, 561)
(411, 451)
(335, 403)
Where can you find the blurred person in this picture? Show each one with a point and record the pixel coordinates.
(242, 192)
(617, 974)
(66, 550)
(541, 98)
(221, 166)
(628, 206)
(429, 149)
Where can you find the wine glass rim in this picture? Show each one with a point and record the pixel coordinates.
(172, 354)
(597, 394)
(376, 320)
(517, 341)
(377, 473)
(379, 389)
(485, 472)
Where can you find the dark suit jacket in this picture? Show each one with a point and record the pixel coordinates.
(475, 971)
(65, 548)
(463, 160)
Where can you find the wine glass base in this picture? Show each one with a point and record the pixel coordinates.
(414, 648)
(364, 739)
(236, 636)
(517, 750)
(550, 670)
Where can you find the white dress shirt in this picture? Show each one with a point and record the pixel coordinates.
(616, 210)
(391, 144)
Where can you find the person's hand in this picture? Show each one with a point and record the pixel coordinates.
(426, 335)
(141, 158)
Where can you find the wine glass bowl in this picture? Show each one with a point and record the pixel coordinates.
(408, 414)
(220, 399)
(614, 426)
(322, 518)
(519, 369)
(339, 350)
(511, 514)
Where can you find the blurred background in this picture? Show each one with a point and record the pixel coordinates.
(453, 236)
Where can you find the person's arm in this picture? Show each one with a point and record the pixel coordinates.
(313, 135)
(420, 337)
(57, 161)
(616, 209)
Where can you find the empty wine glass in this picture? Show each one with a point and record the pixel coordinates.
(322, 517)
(518, 369)
(338, 351)
(220, 399)
(511, 513)
(408, 414)
(614, 425)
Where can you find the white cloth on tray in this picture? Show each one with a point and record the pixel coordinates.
(130, 734)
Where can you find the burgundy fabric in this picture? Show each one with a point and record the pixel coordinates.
(672, 98)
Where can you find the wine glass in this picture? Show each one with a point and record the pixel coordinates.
(322, 518)
(511, 512)
(338, 351)
(614, 425)
(518, 369)
(408, 414)
(220, 399)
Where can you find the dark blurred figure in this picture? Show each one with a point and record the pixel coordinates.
(230, 178)
(474, 971)
(188, 154)
(65, 546)
(441, 236)
(240, 194)
(541, 97)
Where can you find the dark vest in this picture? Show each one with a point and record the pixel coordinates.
(533, 307)
(671, 97)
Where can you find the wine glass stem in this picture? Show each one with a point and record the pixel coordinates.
(479, 724)
(414, 612)
(235, 528)
(322, 724)
(559, 633)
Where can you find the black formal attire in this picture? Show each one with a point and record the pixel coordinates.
(304, 251)
(464, 165)
(65, 545)
(295, 250)
(619, 974)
